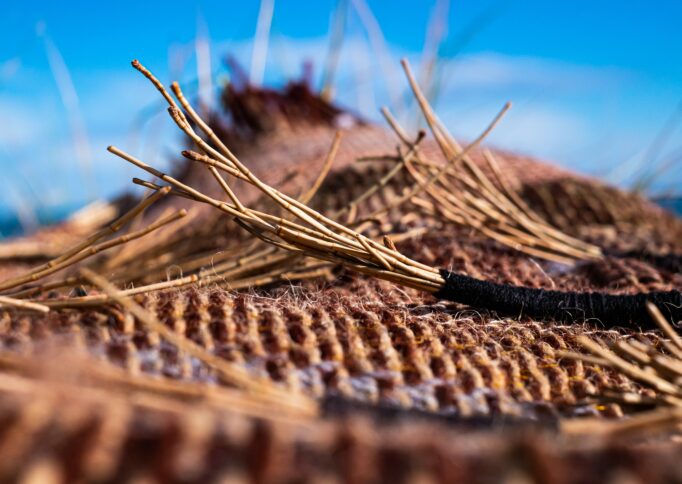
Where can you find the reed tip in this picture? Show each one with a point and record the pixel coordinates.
(192, 155)
(388, 243)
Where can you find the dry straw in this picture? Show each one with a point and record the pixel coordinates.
(300, 242)
(308, 233)
(657, 368)
(460, 192)
(288, 237)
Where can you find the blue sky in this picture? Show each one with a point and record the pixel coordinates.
(593, 82)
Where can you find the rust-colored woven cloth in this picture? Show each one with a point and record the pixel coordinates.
(472, 397)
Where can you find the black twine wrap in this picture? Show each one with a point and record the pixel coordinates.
(562, 306)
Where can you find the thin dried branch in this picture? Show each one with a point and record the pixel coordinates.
(87, 248)
(470, 191)
(19, 304)
(310, 193)
(100, 299)
(657, 368)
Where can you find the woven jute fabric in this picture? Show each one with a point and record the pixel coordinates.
(100, 437)
(355, 339)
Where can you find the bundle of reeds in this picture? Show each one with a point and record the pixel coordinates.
(317, 236)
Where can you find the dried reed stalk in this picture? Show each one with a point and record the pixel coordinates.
(19, 304)
(147, 263)
(311, 234)
(657, 368)
(90, 246)
(319, 234)
(461, 193)
(100, 234)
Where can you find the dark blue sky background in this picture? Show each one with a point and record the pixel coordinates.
(593, 82)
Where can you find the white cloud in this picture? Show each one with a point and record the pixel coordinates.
(553, 114)
(540, 131)
(488, 69)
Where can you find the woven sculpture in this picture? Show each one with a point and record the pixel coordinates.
(177, 345)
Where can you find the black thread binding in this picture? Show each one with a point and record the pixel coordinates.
(541, 304)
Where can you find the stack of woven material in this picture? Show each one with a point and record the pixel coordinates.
(359, 379)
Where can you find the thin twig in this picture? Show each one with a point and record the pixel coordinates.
(19, 304)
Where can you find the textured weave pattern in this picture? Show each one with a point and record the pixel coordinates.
(106, 438)
(358, 339)
(372, 340)
(372, 347)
